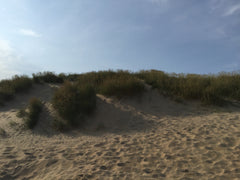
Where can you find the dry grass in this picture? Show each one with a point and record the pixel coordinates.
(31, 116)
(73, 102)
(210, 89)
(9, 87)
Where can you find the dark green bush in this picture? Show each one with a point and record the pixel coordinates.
(74, 101)
(31, 117)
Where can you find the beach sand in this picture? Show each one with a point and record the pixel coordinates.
(147, 137)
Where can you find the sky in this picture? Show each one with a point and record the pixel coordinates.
(76, 36)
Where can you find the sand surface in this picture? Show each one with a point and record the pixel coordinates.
(148, 137)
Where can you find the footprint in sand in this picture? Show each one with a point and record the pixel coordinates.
(228, 142)
(9, 153)
(100, 144)
(51, 162)
(211, 155)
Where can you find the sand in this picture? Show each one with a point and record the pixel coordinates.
(147, 137)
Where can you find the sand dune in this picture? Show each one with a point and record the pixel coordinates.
(147, 137)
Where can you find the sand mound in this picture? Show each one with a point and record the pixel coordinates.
(147, 137)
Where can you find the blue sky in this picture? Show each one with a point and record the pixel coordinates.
(182, 36)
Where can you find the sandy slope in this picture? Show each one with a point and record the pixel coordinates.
(148, 137)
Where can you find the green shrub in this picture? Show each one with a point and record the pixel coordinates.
(34, 109)
(48, 77)
(74, 101)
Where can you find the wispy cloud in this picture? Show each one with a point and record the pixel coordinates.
(29, 32)
(232, 10)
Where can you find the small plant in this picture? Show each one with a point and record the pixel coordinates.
(35, 108)
(73, 102)
(31, 115)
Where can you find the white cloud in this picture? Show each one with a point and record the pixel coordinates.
(6, 60)
(5, 48)
(29, 32)
(11, 63)
(232, 10)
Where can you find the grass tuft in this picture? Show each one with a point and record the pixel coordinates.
(31, 116)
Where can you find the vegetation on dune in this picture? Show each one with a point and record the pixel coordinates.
(121, 87)
(76, 98)
(210, 89)
(111, 83)
(31, 115)
(73, 102)
(48, 77)
(8, 88)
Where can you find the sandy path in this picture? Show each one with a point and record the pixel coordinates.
(178, 142)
